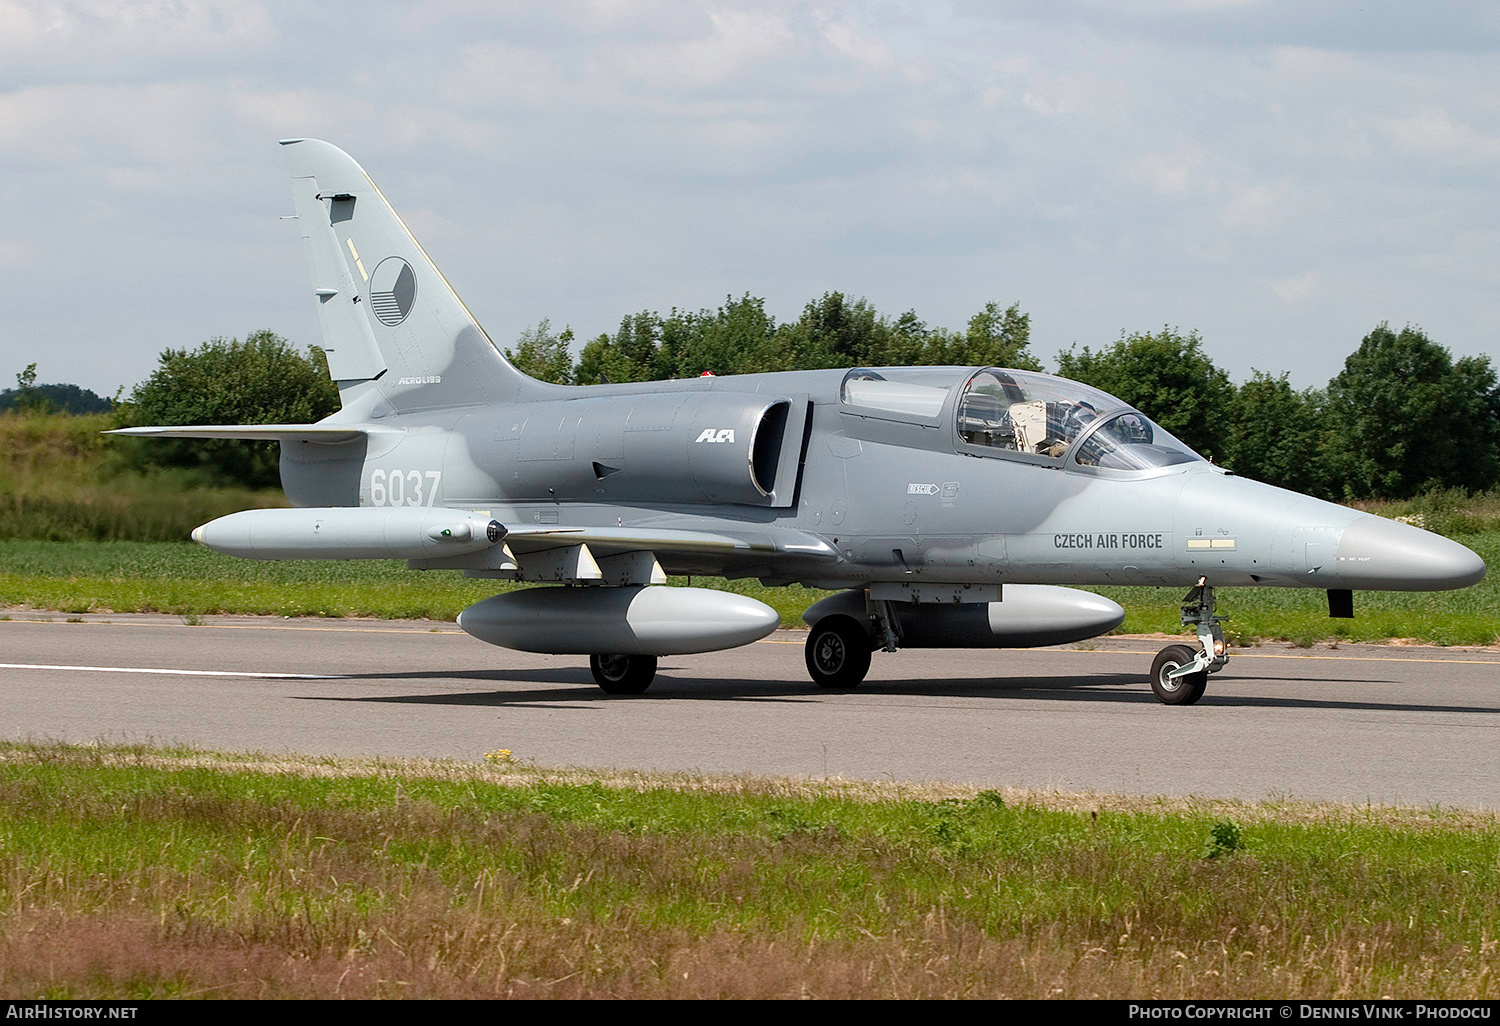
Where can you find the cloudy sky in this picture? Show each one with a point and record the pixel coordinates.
(1279, 176)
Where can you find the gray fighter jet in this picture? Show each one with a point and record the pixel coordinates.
(948, 506)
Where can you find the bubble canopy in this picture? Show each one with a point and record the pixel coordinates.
(1022, 412)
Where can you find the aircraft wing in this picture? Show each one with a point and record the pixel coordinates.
(330, 433)
(569, 553)
(614, 540)
(439, 538)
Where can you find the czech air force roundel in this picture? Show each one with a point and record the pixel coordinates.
(393, 289)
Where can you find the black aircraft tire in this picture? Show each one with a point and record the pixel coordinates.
(1183, 690)
(623, 674)
(838, 653)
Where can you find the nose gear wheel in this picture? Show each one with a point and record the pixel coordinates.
(1183, 690)
(1179, 673)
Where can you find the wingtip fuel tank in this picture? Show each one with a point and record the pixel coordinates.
(369, 532)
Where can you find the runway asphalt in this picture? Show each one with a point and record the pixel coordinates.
(1359, 723)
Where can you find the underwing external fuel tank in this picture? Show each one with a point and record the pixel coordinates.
(1031, 615)
(944, 506)
(648, 620)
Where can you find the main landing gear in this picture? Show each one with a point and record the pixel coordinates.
(839, 646)
(1179, 674)
(838, 653)
(623, 674)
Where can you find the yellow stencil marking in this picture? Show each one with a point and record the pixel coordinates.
(357, 262)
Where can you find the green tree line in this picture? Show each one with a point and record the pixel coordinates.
(1402, 418)
(741, 338)
(30, 397)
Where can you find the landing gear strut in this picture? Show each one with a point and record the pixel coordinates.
(1179, 674)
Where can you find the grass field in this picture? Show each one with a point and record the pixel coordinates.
(189, 580)
(135, 873)
(62, 480)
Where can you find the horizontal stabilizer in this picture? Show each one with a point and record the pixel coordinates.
(329, 433)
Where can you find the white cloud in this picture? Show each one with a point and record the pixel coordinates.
(105, 33)
(1260, 208)
(1434, 134)
(737, 41)
(295, 113)
(863, 48)
(154, 121)
(1151, 8)
(499, 74)
(1172, 174)
(1302, 289)
(26, 26)
(15, 255)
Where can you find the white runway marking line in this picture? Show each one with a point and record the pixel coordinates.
(1239, 654)
(1242, 655)
(178, 673)
(1331, 659)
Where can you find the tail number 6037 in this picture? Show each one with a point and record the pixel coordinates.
(411, 488)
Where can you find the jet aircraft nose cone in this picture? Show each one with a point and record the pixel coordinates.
(1383, 554)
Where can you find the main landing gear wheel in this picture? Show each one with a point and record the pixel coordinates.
(623, 674)
(1180, 690)
(838, 653)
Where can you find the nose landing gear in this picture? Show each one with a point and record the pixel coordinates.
(1179, 675)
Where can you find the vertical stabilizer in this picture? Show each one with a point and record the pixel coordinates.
(398, 337)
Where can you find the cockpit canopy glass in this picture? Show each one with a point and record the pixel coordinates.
(909, 391)
(1023, 412)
